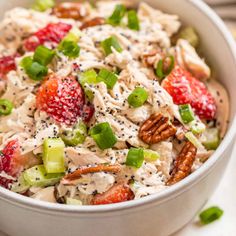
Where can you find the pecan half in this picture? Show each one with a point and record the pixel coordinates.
(156, 128)
(93, 22)
(72, 10)
(71, 177)
(183, 163)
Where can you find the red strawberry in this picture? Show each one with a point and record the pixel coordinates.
(50, 36)
(7, 63)
(63, 99)
(87, 112)
(117, 193)
(185, 89)
(10, 162)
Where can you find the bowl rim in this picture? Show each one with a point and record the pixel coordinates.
(169, 193)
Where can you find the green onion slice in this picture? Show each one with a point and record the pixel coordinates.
(111, 42)
(211, 138)
(107, 77)
(117, 15)
(211, 214)
(73, 35)
(6, 107)
(43, 55)
(33, 69)
(165, 66)
(197, 127)
(135, 157)
(76, 136)
(69, 48)
(103, 135)
(43, 5)
(88, 77)
(138, 97)
(53, 155)
(186, 113)
(133, 21)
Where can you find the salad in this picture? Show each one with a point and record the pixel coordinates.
(103, 103)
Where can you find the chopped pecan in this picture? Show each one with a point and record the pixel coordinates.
(183, 163)
(93, 22)
(72, 10)
(69, 178)
(156, 128)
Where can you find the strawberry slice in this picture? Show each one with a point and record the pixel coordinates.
(63, 99)
(117, 193)
(185, 89)
(49, 36)
(10, 161)
(7, 63)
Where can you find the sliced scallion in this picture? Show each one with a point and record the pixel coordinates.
(211, 138)
(211, 214)
(165, 66)
(138, 97)
(103, 135)
(43, 55)
(117, 15)
(69, 48)
(133, 21)
(43, 5)
(186, 113)
(110, 42)
(109, 78)
(6, 107)
(33, 69)
(76, 136)
(135, 157)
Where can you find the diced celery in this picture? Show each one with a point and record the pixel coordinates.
(53, 155)
(197, 127)
(193, 139)
(88, 77)
(75, 136)
(150, 155)
(190, 35)
(37, 176)
(21, 185)
(72, 201)
(211, 138)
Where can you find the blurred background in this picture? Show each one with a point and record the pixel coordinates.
(226, 9)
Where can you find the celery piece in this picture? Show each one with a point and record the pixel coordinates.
(193, 139)
(37, 176)
(21, 185)
(190, 35)
(211, 138)
(150, 155)
(72, 201)
(53, 155)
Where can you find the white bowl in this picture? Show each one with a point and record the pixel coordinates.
(160, 214)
